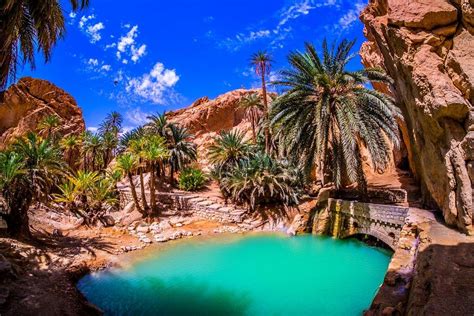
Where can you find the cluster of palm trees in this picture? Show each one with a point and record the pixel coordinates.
(78, 172)
(315, 131)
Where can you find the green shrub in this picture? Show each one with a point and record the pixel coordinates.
(191, 179)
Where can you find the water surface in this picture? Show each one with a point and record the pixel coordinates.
(247, 275)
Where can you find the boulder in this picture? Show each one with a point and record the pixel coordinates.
(24, 104)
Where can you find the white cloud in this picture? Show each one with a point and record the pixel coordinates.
(351, 16)
(93, 62)
(91, 29)
(127, 45)
(106, 68)
(241, 39)
(138, 53)
(72, 15)
(92, 129)
(155, 85)
(137, 116)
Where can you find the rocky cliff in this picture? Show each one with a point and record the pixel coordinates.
(427, 47)
(26, 103)
(206, 118)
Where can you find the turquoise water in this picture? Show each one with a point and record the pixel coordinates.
(248, 275)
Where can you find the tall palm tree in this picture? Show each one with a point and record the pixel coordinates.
(328, 113)
(112, 124)
(91, 147)
(47, 126)
(154, 153)
(253, 107)
(128, 137)
(70, 144)
(158, 124)
(27, 27)
(228, 149)
(136, 146)
(262, 61)
(127, 164)
(109, 142)
(181, 149)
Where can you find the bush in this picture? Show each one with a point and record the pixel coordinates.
(262, 180)
(191, 179)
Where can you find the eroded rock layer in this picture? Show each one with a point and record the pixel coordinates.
(206, 118)
(427, 47)
(25, 104)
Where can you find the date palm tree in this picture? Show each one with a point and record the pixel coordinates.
(181, 149)
(27, 27)
(136, 147)
(27, 173)
(127, 163)
(154, 154)
(327, 114)
(262, 61)
(109, 142)
(158, 124)
(228, 149)
(91, 147)
(253, 107)
(48, 125)
(70, 144)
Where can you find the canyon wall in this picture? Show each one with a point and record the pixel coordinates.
(427, 47)
(24, 104)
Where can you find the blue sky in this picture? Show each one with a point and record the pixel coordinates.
(146, 56)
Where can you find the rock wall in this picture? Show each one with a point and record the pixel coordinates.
(206, 118)
(26, 103)
(427, 47)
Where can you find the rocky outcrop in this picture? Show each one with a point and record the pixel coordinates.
(25, 104)
(427, 47)
(206, 118)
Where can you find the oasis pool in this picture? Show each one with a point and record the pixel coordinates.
(245, 275)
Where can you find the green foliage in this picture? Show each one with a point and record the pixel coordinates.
(29, 27)
(262, 179)
(191, 179)
(327, 113)
(228, 149)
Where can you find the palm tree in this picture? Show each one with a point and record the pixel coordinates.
(253, 106)
(158, 124)
(16, 190)
(182, 151)
(154, 153)
(228, 149)
(136, 146)
(43, 161)
(47, 126)
(112, 124)
(109, 142)
(261, 60)
(127, 164)
(27, 27)
(69, 144)
(128, 137)
(327, 114)
(91, 147)
(27, 173)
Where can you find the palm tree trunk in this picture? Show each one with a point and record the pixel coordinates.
(171, 174)
(254, 133)
(134, 192)
(265, 115)
(142, 188)
(18, 224)
(152, 188)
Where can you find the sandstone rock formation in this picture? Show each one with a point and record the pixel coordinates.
(427, 47)
(206, 118)
(26, 103)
